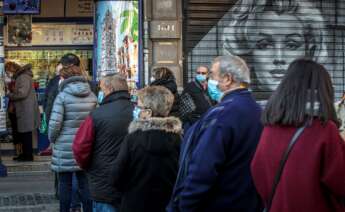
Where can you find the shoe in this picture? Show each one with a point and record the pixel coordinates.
(26, 159)
(18, 157)
(46, 152)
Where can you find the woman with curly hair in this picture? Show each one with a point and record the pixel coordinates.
(270, 34)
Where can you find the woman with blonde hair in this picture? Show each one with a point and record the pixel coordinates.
(270, 34)
(146, 167)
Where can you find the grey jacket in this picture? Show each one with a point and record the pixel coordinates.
(25, 100)
(71, 106)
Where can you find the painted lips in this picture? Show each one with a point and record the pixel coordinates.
(278, 73)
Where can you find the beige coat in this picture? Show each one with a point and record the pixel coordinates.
(25, 101)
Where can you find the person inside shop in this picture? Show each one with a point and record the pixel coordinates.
(10, 69)
(163, 76)
(27, 113)
(146, 167)
(71, 106)
(195, 100)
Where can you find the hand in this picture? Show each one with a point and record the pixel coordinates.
(342, 135)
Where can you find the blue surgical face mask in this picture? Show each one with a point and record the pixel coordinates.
(100, 97)
(200, 78)
(136, 113)
(215, 93)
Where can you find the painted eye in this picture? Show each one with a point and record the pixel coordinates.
(264, 44)
(293, 45)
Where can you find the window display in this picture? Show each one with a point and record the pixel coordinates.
(44, 61)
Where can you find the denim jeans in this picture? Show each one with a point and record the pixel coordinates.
(75, 204)
(65, 190)
(103, 207)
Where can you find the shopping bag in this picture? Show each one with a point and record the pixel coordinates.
(44, 125)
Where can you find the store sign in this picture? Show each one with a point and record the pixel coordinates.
(62, 34)
(79, 8)
(164, 29)
(21, 6)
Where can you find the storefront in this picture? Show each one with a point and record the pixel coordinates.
(41, 40)
(42, 32)
(268, 35)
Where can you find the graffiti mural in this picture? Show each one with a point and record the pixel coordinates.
(270, 34)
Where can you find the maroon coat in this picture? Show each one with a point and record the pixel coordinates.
(314, 175)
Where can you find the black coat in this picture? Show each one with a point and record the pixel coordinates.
(147, 165)
(201, 100)
(170, 83)
(111, 121)
(51, 92)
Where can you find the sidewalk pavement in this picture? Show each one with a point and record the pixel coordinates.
(29, 187)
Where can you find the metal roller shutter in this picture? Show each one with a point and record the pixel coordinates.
(268, 34)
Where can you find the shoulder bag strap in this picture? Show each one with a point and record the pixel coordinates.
(282, 164)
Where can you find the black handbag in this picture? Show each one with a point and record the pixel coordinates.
(281, 166)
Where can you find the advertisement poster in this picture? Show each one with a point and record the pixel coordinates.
(19, 30)
(116, 40)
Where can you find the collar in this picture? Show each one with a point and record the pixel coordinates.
(234, 92)
(25, 69)
(166, 124)
(200, 85)
(116, 95)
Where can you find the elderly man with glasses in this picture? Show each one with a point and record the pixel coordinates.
(214, 167)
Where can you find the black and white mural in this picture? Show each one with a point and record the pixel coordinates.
(270, 34)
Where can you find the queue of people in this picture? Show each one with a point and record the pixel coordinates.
(212, 148)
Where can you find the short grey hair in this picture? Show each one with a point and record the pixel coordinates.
(235, 66)
(115, 82)
(157, 98)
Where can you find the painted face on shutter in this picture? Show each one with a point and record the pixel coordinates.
(278, 40)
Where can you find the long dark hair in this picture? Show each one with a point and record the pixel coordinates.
(306, 92)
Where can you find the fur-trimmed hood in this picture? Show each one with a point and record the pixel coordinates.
(168, 124)
(26, 69)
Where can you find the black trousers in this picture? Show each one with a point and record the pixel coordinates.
(26, 139)
(13, 120)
